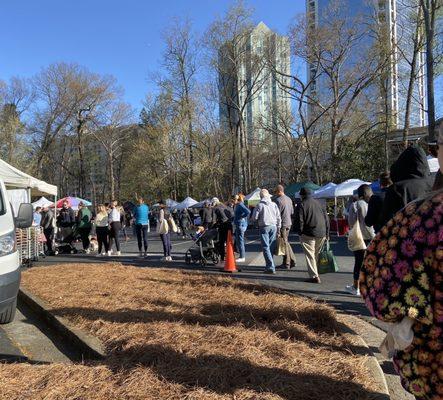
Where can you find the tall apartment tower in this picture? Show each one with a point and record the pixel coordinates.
(250, 84)
(394, 15)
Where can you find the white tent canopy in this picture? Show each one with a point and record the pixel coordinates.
(201, 204)
(170, 203)
(186, 203)
(254, 195)
(16, 179)
(326, 191)
(345, 189)
(433, 164)
(42, 202)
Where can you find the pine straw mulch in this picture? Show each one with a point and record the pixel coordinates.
(180, 335)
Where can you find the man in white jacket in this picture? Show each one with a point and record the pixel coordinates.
(268, 217)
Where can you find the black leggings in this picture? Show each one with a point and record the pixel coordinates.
(102, 238)
(142, 231)
(114, 234)
(359, 256)
(84, 235)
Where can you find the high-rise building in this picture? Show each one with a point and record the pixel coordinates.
(250, 77)
(395, 17)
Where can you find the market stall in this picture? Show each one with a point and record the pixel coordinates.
(21, 187)
(186, 203)
(253, 198)
(293, 190)
(42, 202)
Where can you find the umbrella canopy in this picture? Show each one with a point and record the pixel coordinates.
(186, 203)
(293, 189)
(42, 202)
(73, 202)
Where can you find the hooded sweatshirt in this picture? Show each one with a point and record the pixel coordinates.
(267, 213)
(412, 181)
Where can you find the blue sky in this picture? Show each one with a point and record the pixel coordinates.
(121, 38)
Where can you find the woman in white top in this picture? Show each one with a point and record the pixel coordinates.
(115, 227)
(165, 236)
(102, 229)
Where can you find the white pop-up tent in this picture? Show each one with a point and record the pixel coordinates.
(344, 189)
(16, 179)
(254, 195)
(325, 192)
(202, 203)
(42, 202)
(171, 203)
(186, 203)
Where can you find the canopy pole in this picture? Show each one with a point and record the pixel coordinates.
(335, 216)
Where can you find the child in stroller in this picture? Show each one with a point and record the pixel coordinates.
(204, 250)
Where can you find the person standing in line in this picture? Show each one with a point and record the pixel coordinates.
(115, 227)
(222, 219)
(185, 222)
(375, 204)
(47, 223)
(102, 230)
(312, 224)
(359, 211)
(165, 236)
(84, 225)
(241, 215)
(286, 208)
(267, 214)
(141, 216)
(206, 215)
(37, 216)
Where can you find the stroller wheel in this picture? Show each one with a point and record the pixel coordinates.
(215, 258)
(187, 259)
(203, 262)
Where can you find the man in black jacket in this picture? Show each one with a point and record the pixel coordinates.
(412, 180)
(312, 224)
(222, 219)
(206, 215)
(375, 204)
(47, 223)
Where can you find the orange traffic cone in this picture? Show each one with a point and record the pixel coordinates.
(229, 256)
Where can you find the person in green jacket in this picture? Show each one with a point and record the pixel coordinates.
(84, 225)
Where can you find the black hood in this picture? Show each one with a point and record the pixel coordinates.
(411, 164)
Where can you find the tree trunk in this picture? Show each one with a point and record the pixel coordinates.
(111, 173)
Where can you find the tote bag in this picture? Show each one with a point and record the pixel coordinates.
(163, 227)
(355, 238)
(172, 225)
(326, 260)
(280, 249)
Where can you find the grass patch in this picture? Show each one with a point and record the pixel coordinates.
(179, 335)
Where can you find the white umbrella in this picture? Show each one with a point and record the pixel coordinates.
(186, 203)
(42, 202)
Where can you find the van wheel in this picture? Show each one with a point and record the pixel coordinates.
(8, 315)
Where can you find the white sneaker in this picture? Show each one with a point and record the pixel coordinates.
(145, 254)
(119, 253)
(87, 251)
(352, 290)
(240, 259)
(100, 255)
(169, 258)
(109, 253)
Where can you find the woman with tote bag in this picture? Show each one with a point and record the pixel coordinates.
(360, 235)
(165, 225)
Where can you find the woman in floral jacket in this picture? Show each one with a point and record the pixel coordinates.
(402, 276)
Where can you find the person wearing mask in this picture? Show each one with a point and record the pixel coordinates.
(375, 204)
(115, 226)
(411, 179)
(141, 217)
(358, 212)
(84, 225)
(240, 222)
(164, 219)
(267, 215)
(286, 208)
(206, 215)
(312, 224)
(184, 221)
(401, 283)
(102, 230)
(47, 223)
(222, 219)
(37, 217)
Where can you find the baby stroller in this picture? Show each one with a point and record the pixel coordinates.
(204, 250)
(64, 241)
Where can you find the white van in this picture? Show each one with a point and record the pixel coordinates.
(9, 258)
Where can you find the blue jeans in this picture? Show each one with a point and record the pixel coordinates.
(166, 240)
(240, 239)
(268, 235)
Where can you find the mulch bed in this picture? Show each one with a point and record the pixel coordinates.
(179, 335)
